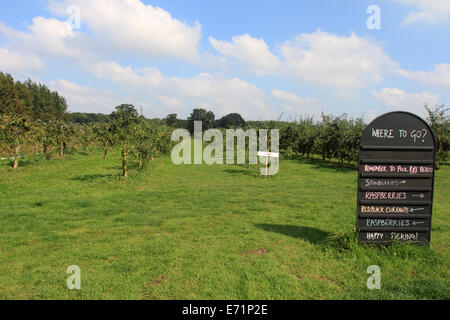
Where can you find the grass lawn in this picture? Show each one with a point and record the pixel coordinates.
(203, 232)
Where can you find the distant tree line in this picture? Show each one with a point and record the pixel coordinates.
(30, 99)
(87, 118)
(30, 113)
(232, 120)
(34, 123)
(329, 137)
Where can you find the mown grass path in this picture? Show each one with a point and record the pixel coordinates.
(203, 232)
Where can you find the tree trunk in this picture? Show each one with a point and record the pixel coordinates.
(105, 153)
(124, 162)
(140, 162)
(16, 156)
(61, 150)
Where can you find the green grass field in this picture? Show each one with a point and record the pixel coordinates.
(203, 232)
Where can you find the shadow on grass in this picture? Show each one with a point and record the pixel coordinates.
(39, 204)
(335, 166)
(405, 289)
(313, 235)
(130, 165)
(24, 161)
(341, 241)
(97, 177)
(242, 172)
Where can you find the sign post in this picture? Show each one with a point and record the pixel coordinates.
(395, 180)
(268, 155)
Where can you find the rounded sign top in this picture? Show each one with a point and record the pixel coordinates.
(399, 129)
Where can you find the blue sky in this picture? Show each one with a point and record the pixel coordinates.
(263, 59)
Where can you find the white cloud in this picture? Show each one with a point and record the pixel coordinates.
(336, 61)
(109, 28)
(293, 105)
(17, 63)
(127, 75)
(130, 26)
(401, 100)
(286, 96)
(429, 11)
(219, 94)
(222, 95)
(172, 103)
(439, 77)
(84, 99)
(48, 37)
(344, 63)
(252, 52)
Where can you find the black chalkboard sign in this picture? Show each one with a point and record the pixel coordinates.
(395, 180)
